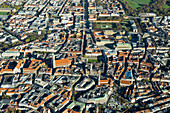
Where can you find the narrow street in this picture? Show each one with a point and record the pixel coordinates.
(38, 13)
(64, 42)
(62, 8)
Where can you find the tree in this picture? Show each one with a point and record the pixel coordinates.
(127, 29)
(14, 43)
(17, 7)
(46, 66)
(73, 98)
(6, 46)
(146, 80)
(85, 56)
(19, 111)
(43, 32)
(3, 94)
(49, 31)
(27, 40)
(130, 38)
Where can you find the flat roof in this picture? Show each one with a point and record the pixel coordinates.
(11, 52)
(119, 45)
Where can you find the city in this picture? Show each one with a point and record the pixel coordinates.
(84, 56)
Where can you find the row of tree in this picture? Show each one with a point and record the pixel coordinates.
(8, 5)
(4, 46)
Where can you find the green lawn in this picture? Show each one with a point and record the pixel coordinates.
(103, 26)
(136, 3)
(92, 61)
(106, 26)
(133, 4)
(3, 13)
(143, 1)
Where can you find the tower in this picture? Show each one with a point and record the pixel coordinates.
(91, 69)
(99, 78)
(53, 60)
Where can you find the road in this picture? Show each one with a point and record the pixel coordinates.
(101, 21)
(86, 25)
(85, 28)
(86, 16)
(153, 80)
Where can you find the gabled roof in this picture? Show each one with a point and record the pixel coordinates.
(62, 62)
(125, 82)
